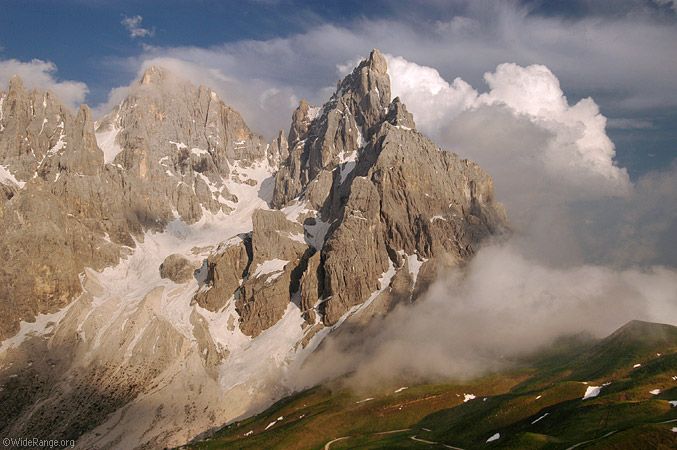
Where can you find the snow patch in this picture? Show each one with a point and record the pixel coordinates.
(414, 265)
(655, 391)
(495, 437)
(6, 176)
(295, 210)
(401, 389)
(540, 418)
(345, 170)
(317, 233)
(365, 400)
(313, 112)
(468, 397)
(42, 128)
(43, 324)
(269, 267)
(298, 237)
(348, 161)
(107, 141)
(60, 143)
(179, 145)
(591, 392)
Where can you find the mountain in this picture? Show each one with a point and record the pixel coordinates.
(628, 404)
(167, 269)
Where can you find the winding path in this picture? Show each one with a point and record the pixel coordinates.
(425, 441)
(327, 446)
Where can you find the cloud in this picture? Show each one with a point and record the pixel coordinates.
(41, 75)
(586, 254)
(622, 123)
(133, 26)
(502, 307)
(626, 62)
(576, 147)
(667, 3)
(544, 154)
(590, 251)
(639, 229)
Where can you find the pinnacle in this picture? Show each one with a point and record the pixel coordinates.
(16, 83)
(154, 75)
(377, 61)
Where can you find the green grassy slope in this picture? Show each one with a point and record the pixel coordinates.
(537, 407)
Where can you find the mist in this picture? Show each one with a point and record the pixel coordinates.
(589, 250)
(502, 307)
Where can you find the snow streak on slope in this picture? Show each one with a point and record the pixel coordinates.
(106, 140)
(136, 330)
(7, 177)
(232, 383)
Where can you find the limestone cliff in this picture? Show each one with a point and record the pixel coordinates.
(164, 267)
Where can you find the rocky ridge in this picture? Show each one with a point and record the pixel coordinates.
(174, 260)
(81, 194)
(376, 199)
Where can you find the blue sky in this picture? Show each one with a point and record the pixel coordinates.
(624, 59)
(79, 35)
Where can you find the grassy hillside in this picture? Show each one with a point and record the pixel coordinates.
(537, 407)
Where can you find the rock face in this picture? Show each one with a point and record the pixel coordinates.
(383, 197)
(407, 199)
(350, 213)
(227, 267)
(53, 221)
(392, 197)
(177, 143)
(334, 135)
(278, 246)
(177, 268)
(167, 150)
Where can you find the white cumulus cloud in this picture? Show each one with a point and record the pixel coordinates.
(133, 26)
(542, 152)
(40, 74)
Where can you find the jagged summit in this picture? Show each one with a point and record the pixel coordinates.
(369, 77)
(399, 116)
(195, 262)
(154, 75)
(338, 132)
(388, 198)
(16, 83)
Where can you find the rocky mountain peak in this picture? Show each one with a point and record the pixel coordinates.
(365, 212)
(182, 142)
(154, 75)
(386, 201)
(322, 139)
(301, 119)
(367, 90)
(16, 84)
(399, 116)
